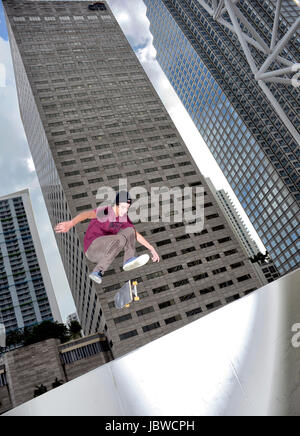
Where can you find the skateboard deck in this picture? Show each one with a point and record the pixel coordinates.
(126, 295)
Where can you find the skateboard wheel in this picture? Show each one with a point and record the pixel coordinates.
(127, 305)
(134, 282)
(136, 298)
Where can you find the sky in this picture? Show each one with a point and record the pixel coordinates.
(16, 165)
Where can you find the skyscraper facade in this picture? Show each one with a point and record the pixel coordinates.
(240, 228)
(255, 149)
(266, 269)
(26, 292)
(290, 10)
(91, 116)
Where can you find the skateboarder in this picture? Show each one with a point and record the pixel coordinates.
(105, 238)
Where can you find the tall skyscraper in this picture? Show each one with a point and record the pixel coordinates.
(249, 245)
(267, 270)
(26, 292)
(91, 117)
(251, 126)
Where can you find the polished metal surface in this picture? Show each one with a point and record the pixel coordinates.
(242, 359)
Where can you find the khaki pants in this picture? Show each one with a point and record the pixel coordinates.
(104, 249)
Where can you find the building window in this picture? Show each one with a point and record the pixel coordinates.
(173, 319)
(232, 298)
(237, 265)
(243, 278)
(122, 318)
(145, 311)
(166, 304)
(207, 290)
(187, 297)
(225, 284)
(194, 263)
(213, 305)
(230, 252)
(193, 312)
(160, 289)
(149, 327)
(128, 335)
(181, 283)
(219, 270)
(200, 276)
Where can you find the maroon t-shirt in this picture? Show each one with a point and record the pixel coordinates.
(105, 223)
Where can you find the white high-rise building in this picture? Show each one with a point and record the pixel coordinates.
(267, 271)
(26, 292)
(237, 224)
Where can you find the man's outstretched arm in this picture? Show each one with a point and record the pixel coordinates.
(142, 240)
(65, 226)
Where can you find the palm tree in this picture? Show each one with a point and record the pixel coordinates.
(57, 383)
(260, 258)
(40, 390)
(75, 329)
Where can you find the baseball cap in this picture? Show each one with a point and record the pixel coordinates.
(123, 197)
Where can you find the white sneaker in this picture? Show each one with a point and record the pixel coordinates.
(96, 276)
(135, 262)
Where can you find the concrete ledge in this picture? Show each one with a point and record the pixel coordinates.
(242, 359)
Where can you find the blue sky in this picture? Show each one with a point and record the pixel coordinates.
(17, 168)
(3, 31)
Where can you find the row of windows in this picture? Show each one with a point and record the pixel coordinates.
(63, 18)
(183, 282)
(171, 302)
(174, 318)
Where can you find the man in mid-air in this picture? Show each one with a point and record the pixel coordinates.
(107, 235)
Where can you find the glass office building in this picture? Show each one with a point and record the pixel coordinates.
(256, 152)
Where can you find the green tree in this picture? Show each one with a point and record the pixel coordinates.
(74, 330)
(46, 330)
(39, 332)
(57, 383)
(260, 258)
(14, 338)
(40, 390)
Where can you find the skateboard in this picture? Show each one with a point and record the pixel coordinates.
(126, 295)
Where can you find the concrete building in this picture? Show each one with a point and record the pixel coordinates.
(249, 245)
(26, 291)
(217, 56)
(24, 369)
(267, 270)
(91, 116)
(72, 317)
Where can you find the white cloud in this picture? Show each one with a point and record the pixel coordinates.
(131, 16)
(30, 164)
(123, 17)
